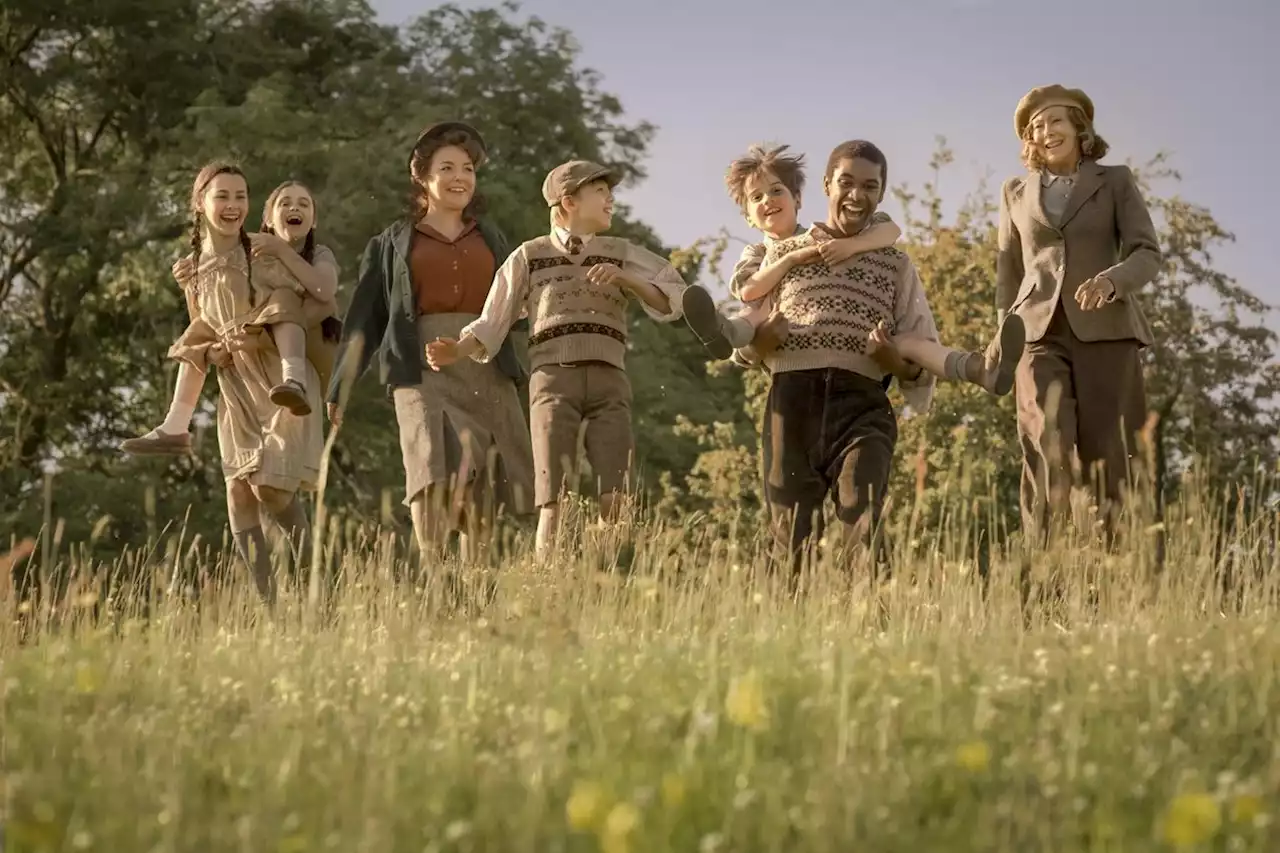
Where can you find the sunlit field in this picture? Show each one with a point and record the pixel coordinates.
(650, 691)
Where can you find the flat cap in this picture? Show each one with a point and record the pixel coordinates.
(440, 128)
(1042, 97)
(568, 178)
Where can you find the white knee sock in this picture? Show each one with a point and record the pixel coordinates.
(186, 395)
(294, 369)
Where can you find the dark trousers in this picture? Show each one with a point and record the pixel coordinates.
(1079, 402)
(826, 431)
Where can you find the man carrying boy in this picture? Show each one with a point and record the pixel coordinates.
(573, 284)
(766, 185)
(829, 425)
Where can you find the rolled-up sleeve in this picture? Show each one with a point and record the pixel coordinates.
(912, 316)
(504, 305)
(659, 272)
(749, 263)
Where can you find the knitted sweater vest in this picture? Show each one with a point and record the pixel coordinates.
(570, 318)
(833, 310)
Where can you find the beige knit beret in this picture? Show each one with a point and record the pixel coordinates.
(1041, 98)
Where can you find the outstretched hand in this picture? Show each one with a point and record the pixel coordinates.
(442, 352)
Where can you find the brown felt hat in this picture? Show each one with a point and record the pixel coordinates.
(568, 178)
(1042, 97)
(440, 128)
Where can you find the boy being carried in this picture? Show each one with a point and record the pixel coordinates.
(766, 184)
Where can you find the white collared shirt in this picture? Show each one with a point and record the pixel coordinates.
(563, 235)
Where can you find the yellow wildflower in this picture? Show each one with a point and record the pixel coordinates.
(745, 705)
(586, 805)
(87, 680)
(1191, 819)
(673, 790)
(1245, 808)
(973, 756)
(618, 826)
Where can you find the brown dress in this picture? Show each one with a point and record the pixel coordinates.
(259, 441)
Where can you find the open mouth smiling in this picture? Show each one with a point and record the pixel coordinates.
(293, 219)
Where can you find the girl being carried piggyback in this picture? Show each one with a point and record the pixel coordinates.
(300, 316)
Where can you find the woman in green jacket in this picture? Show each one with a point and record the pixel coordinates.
(463, 435)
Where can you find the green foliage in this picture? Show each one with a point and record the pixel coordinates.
(98, 146)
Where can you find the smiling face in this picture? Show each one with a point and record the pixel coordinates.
(1056, 138)
(292, 213)
(450, 180)
(769, 206)
(855, 189)
(590, 209)
(225, 204)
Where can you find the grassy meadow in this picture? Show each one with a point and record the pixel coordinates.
(684, 704)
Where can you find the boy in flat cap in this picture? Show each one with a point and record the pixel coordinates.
(573, 284)
(1076, 244)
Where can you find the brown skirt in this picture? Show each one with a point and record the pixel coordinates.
(462, 423)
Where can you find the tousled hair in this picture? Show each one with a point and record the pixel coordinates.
(420, 167)
(1092, 146)
(859, 149)
(787, 168)
(203, 178)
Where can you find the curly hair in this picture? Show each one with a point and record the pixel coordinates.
(787, 168)
(1092, 146)
(420, 167)
(203, 178)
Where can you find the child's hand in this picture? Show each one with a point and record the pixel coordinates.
(442, 352)
(183, 270)
(265, 244)
(805, 255)
(606, 274)
(885, 352)
(836, 251)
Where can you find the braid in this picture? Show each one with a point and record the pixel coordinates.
(309, 247)
(248, 261)
(195, 239)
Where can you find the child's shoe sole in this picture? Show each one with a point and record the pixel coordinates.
(701, 315)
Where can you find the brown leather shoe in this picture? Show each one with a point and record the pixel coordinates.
(157, 443)
(292, 396)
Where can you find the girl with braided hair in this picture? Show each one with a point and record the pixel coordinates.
(242, 304)
(289, 211)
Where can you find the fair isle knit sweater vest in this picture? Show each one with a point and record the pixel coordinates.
(833, 310)
(570, 318)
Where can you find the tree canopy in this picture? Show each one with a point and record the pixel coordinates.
(107, 110)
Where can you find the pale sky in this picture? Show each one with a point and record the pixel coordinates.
(715, 76)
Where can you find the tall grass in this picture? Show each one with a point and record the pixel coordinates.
(652, 689)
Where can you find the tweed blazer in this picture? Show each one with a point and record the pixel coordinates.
(1105, 229)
